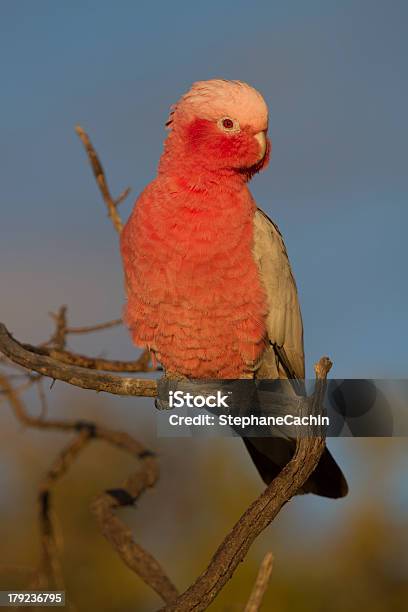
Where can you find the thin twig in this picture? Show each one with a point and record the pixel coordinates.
(261, 584)
(58, 339)
(50, 572)
(141, 364)
(122, 196)
(24, 417)
(55, 348)
(62, 329)
(99, 173)
(28, 378)
(86, 329)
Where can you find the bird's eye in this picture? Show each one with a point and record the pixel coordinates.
(228, 125)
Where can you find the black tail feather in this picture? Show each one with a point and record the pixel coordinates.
(270, 455)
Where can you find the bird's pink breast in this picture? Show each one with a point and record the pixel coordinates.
(194, 293)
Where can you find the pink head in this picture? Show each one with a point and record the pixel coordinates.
(219, 126)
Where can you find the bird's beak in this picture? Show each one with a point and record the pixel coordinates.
(260, 137)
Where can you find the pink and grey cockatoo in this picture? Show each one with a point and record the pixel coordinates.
(210, 291)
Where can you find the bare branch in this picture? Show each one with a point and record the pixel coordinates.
(236, 544)
(141, 364)
(86, 329)
(261, 584)
(21, 388)
(99, 174)
(74, 375)
(24, 417)
(55, 348)
(49, 573)
(62, 330)
(139, 560)
(259, 514)
(120, 537)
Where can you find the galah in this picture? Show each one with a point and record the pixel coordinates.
(210, 291)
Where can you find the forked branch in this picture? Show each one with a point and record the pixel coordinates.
(37, 359)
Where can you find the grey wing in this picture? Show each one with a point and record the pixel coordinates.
(284, 359)
(285, 356)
